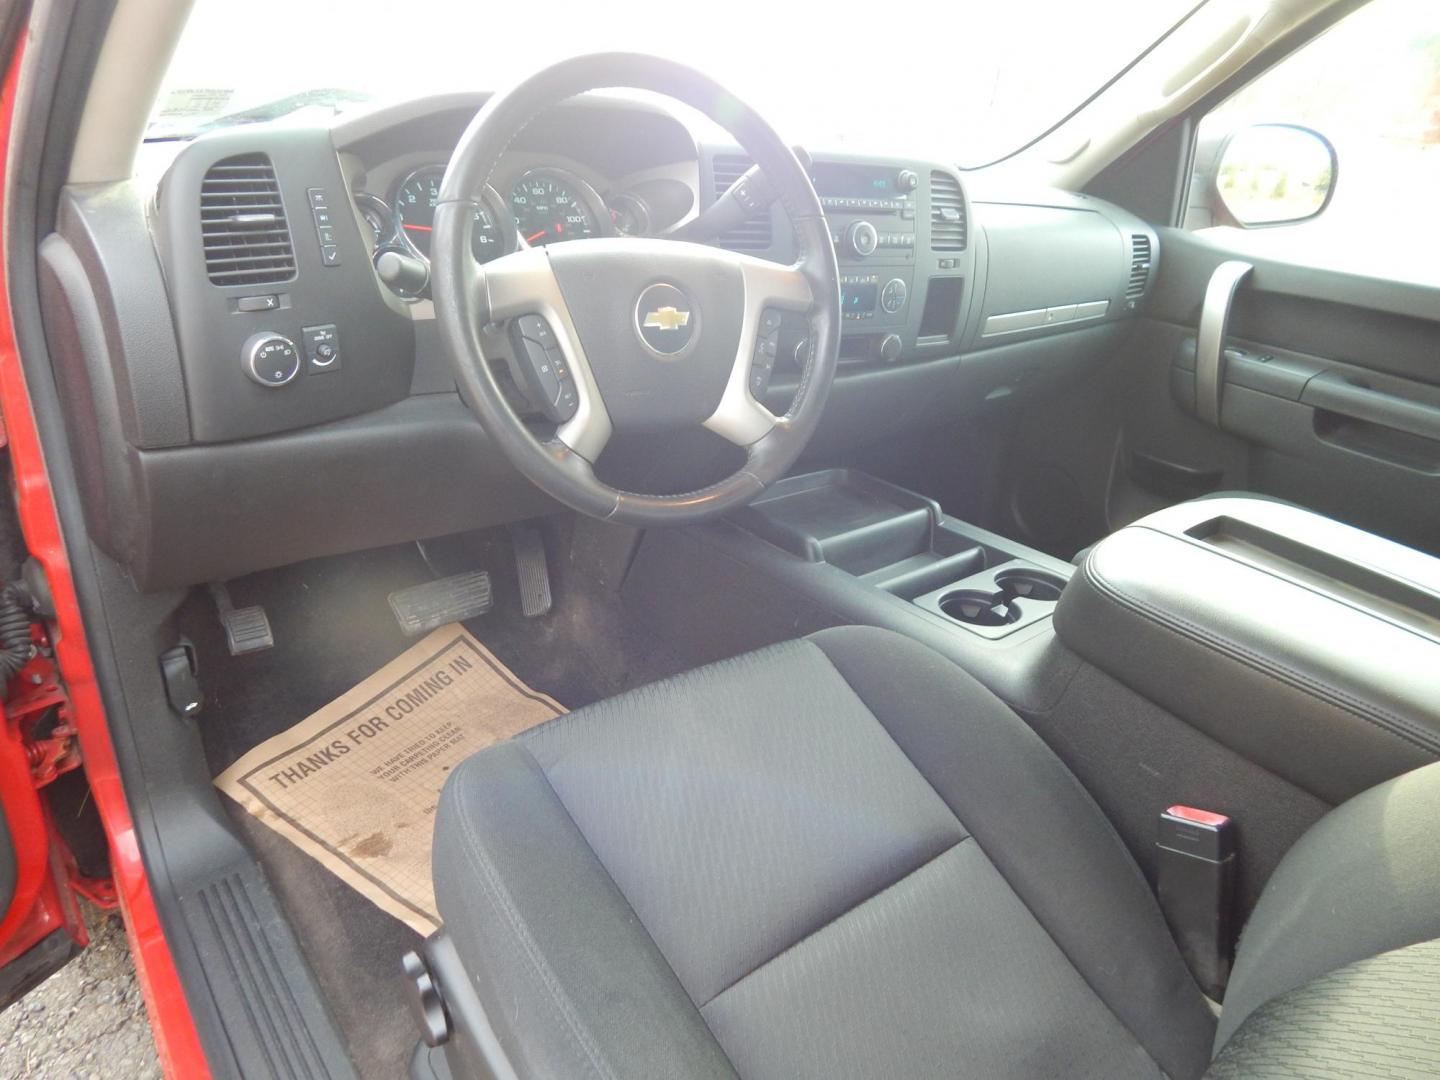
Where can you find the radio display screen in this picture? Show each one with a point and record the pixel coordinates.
(858, 299)
(853, 181)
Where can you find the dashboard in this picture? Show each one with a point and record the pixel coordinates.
(255, 388)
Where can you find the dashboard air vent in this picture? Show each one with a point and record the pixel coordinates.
(242, 223)
(754, 234)
(1139, 266)
(947, 213)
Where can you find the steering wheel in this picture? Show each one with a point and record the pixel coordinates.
(631, 334)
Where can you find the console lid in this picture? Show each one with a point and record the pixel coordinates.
(1310, 647)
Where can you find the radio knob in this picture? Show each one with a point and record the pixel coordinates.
(892, 297)
(270, 359)
(907, 180)
(861, 239)
(889, 348)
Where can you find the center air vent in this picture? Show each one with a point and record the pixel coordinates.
(752, 235)
(242, 223)
(947, 213)
(1139, 266)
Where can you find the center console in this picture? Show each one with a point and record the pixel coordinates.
(1305, 645)
(903, 544)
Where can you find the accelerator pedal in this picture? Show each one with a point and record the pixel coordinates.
(421, 608)
(247, 629)
(532, 569)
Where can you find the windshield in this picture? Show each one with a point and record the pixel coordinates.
(961, 82)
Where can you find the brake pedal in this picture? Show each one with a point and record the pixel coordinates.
(247, 629)
(532, 569)
(421, 608)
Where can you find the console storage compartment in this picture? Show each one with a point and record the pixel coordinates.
(1310, 647)
(903, 543)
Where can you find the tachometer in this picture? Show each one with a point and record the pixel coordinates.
(550, 206)
(415, 207)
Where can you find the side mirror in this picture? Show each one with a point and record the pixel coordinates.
(1274, 174)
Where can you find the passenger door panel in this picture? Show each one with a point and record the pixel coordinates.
(1328, 394)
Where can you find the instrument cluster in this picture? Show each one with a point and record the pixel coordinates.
(543, 205)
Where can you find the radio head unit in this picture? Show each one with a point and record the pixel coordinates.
(857, 187)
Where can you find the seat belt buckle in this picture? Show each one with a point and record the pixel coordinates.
(1196, 883)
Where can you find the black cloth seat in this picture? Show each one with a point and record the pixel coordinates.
(839, 856)
(843, 857)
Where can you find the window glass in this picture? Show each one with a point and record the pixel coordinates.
(1371, 86)
(959, 82)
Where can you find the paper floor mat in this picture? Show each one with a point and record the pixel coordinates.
(355, 785)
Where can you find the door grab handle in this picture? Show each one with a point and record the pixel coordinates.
(1210, 342)
(1335, 394)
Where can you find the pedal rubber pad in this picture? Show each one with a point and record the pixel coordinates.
(247, 630)
(421, 608)
(532, 569)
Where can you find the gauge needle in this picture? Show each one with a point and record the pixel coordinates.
(536, 236)
(418, 228)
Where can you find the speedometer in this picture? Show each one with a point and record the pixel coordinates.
(550, 206)
(415, 207)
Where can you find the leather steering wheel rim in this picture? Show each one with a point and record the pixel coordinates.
(470, 297)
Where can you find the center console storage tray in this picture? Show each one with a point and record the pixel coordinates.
(845, 518)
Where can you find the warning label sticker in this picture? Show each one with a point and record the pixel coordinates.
(356, 784)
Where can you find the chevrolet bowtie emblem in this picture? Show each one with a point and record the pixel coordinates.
(666, 318)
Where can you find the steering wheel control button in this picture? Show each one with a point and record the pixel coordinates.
(665, 319)
(767, 347)
(322, 349)
(540, 370)
(537, 330)
(270, 358)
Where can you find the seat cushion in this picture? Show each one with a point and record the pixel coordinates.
(837, 856)
(1365, 880)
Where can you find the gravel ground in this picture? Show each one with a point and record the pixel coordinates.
(87, 1020)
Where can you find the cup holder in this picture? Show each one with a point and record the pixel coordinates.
(1030, 585)
(979, 608)
(999, 601)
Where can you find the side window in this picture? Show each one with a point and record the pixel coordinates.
(1332, 157)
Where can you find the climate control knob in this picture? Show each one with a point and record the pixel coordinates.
(892, 297)
(270, 359)
(861, 239)
(889, 348)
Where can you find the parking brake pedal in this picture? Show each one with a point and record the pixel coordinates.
(421, 608)
(532, 569)
(247, 629)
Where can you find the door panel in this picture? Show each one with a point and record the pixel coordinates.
(1328, 392)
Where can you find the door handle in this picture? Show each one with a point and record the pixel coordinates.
(1210, 339)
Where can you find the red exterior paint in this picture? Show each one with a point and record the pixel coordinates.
(175, 1036)
(40, 905)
